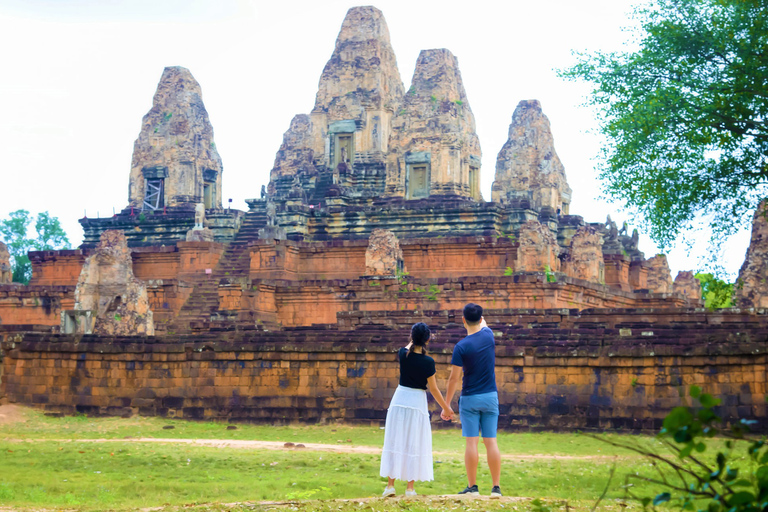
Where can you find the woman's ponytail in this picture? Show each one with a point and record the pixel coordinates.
(420, 335)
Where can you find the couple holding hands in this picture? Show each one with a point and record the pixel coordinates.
(407, 453)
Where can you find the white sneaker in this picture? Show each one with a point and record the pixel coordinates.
(411, 492)
(388, 491)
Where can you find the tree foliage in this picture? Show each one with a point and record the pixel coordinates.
(685, 115)
(14, 231)
(716, 293)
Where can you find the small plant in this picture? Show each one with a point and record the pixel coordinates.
(412, 90)
(459, 102)
(551, 277)
(432, 292)
(510, 236)
(402, 278)
(142, 217)
(508, 271)
(118, 317)
(634, 382)
(167, 116)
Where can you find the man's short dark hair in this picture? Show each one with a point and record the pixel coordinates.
(473, 313)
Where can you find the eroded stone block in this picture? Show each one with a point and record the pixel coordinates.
(108, 287)
(538, 250)
(383, 256)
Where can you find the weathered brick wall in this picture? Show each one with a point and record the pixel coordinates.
(590, 377)
(34, 305)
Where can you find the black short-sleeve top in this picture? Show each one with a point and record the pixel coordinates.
(415, 369)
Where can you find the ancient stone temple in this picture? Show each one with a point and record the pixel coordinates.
(586, 255)
(372, 220)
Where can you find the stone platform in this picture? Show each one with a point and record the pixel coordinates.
(558, 369)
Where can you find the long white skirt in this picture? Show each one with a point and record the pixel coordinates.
(407, 453)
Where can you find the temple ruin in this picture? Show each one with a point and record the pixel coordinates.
(372, 219)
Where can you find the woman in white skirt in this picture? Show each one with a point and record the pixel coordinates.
(407, 453)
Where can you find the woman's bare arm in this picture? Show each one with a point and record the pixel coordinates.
(432, 385)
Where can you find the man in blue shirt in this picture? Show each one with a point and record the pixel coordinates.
(479, 400)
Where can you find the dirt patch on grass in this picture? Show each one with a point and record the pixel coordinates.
(12, 413)
(279, 445)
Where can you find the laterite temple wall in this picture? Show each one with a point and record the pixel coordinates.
(587, 377)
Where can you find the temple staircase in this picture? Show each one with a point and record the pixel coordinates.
(233, 267)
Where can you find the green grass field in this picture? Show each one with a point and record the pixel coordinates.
(46, 463)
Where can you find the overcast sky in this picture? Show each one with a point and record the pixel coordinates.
(77, 76)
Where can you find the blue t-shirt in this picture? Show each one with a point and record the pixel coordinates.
(477, 355)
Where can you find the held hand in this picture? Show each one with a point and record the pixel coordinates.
(447, 414)
(483, 323)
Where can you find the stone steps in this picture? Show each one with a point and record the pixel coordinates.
(234, 264)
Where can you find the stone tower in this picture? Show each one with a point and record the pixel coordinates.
(348, 130)
(175, 162)
(434, 149)
(358, 92)
(528, 167)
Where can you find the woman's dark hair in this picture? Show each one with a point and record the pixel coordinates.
(420, 335)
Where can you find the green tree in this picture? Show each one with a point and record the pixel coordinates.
(715, 292)
(685, 115)
(14, 231)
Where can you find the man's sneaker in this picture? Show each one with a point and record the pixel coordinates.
(471, 490)
(388, 491)
(410, 492)
(496, 492)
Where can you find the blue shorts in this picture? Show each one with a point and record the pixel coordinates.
(479, 413)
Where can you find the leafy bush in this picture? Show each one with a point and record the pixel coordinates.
(691, 478)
